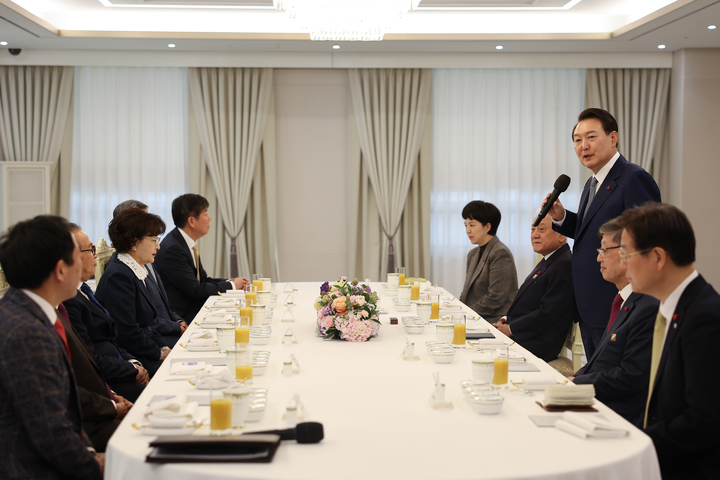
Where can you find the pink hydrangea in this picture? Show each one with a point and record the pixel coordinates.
(357, 300)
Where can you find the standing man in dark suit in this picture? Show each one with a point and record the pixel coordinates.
(178, 261)
(541, 314)
(615, 186)
(93, 324)
(40, 417)
(682, 416)
(620, 367)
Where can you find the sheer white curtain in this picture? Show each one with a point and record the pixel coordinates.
(130, 141)
(638, 99)
(502, 136)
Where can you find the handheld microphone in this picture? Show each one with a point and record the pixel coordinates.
(561, 184)
(306, 432)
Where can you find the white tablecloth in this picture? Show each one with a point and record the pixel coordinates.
(378, 422)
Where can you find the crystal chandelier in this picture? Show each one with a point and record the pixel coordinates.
(353, 20)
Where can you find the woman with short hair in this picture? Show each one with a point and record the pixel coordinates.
(491, 278)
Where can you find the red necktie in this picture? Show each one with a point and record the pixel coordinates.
(60, 329)
(614, 310)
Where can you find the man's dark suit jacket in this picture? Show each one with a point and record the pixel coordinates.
(620, 367)
(98, 410)
(176, 267)
(626, 185)
(684, 413)
(129, 302)
(541, 314)
(40, 416)
(99, 333)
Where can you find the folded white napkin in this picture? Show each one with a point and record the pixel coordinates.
(569, 395)
(491, 341)
(234, 293)
(207, 380)
(585, 425)
(201, 339)
(225, 303)
(175, 412)
(186, 368)
(217, 319)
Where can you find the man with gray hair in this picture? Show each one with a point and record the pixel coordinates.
(541, 313)
(620, 367)
(129, 204)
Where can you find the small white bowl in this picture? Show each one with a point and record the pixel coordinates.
(255, 412)
(259, 339)
(442, 355)
(414, 328)
(487, 403)
(402, 305)
(259, 368)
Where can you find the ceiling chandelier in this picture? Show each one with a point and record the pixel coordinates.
(351, 20)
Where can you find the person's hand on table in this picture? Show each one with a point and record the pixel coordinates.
(557, 212)
(164, 352)
(100, 458)
(503, 326)
(240, 282)
(123, 406)
(183, 327)
(142, 376)
(571, 379)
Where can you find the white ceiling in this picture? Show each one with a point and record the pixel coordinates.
(438, 26)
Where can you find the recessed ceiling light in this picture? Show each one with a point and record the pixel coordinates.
(498, 47)
(3, 43)
(171, 45)
(336, 47)
(712, 27)
(661, 47)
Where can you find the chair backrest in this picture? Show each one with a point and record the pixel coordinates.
(104, 252)
(573, 342)
(4, 285)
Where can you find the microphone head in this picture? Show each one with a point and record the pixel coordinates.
(562, 183)
(309, 432)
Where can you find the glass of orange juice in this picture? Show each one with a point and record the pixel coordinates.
(500, 361)
(250, 295)
(243, 363)
(459, 324)
(220, 415)
(434, 307)
(258, 281)
(401, 272)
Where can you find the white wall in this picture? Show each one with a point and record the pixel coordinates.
(311, 108)
(693, 168)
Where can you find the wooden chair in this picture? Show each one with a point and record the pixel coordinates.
(104, 252)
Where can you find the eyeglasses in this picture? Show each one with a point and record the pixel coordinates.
(91, 249)
(624, 255)
(603, 251)
(154, 239)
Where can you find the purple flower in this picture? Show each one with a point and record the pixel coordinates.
(325, 287)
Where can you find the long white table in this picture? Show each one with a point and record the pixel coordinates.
(378, 421)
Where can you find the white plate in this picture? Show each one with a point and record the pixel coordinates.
(213, 325)
(210, 348)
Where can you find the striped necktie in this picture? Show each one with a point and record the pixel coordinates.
(197, 260)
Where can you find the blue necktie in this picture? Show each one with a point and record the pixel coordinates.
(85, 288)
(591, 195)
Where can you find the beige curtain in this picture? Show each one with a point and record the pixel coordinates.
(230, 108)
(35, 109)
(389, 171)
(638, 98)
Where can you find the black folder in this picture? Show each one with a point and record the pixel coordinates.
(195, 449)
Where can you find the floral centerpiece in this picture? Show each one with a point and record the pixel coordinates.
(347, 310)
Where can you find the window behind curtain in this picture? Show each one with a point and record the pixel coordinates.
(129, 141)
(502, 136)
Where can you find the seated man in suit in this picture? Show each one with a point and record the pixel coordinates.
(123, 372)
(541, 313)
(620, 366)
(40, 416)
(682, 416)
(178, 261)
